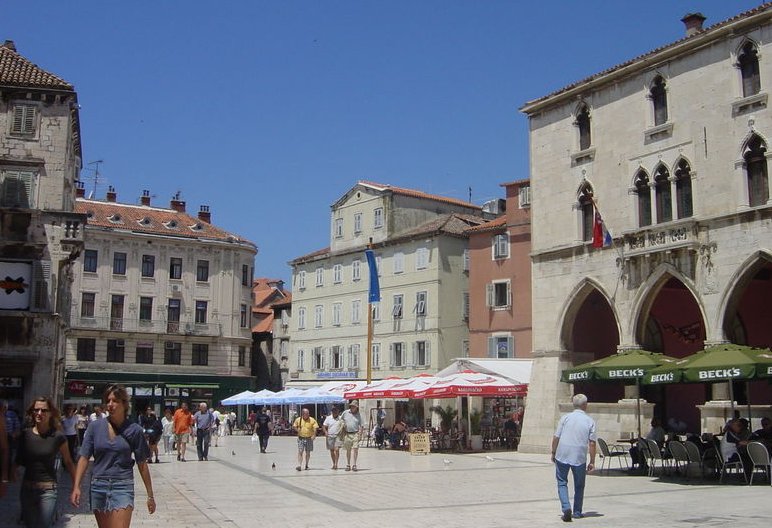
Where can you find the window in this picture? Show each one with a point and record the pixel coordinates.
(301, 360)
(644, 198)
(201, 307)
(173, 316)
(376, 311)
(172, 353)
(86, 349)
(115, 350)
(200, 355)
(116, 312)
(336, 357)
(583, 124)
(245, 274)
(683, 189)
(586, 210)
(175, 268)
(317, 359)
(756, 168)
(353, 357)
(24, 120)
(501, 347)
(356, 311)
(90, 258)
(148, 265)
(658, 95)
(357, 223)
(501, 246)
(420, 304)
(421, 357)
(119, 263)
(356, 270)
(301, 318)
(145, 308)
(375, 350)
(17, 188)
(398, 355)
(301, 280)
(320, 276)
(284, 318)
(336, 313)
(499, 294)
(318, 316)
(338, 228)
(397, 302)
(662, 194)
(466, 260)
(398, 262)
(748, 61)
(421, 258)
(243, 316)
(87, 304)
(337, 273)
(202, 271)
(242, 356)
(378, 218)
(524, 197)
(465, 305)
(144, 354)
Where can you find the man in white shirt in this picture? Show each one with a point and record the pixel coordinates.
(574, 436)
(332, 425)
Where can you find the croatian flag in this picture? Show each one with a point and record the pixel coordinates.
(600, 236)
(374, 295)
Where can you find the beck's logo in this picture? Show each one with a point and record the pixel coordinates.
(576, 376)
(661, 378)
(719, 373)
(625, 373)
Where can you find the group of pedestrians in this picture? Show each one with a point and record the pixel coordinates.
(340, 429)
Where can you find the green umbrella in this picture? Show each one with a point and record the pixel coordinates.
(628, 366)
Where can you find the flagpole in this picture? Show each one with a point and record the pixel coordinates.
(369, 342)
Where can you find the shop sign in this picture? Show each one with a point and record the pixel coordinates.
(80, 387)
(10, 383)
(336, 375)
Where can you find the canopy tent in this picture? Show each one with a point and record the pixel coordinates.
(517, 370)
(628, 366)
(374, 391)
(262, 397)
(241, 398)
(342, 387)
(316, 395)
(472, 384)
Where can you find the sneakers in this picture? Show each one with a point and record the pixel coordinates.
(578, 515)
(566, 516)
(297, 468)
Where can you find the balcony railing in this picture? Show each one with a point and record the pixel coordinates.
(155, 326)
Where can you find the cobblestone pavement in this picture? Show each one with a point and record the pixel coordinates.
(238, 487)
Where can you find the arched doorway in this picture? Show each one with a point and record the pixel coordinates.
(748, 321)
(673, 325)
(593, 335)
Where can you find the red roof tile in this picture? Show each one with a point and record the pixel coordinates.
(15, 70)
(493, 225)
(417, 194)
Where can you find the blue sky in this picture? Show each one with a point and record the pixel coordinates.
(269, 111)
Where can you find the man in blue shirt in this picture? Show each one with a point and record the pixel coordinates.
(204, 420)
(574, 436)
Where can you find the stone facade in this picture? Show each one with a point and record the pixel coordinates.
(681, 183)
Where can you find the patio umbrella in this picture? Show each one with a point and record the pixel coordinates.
(472, 384)
(315, 395)
(627, 366)
(262, 397)
(373, 391)
(238, 399)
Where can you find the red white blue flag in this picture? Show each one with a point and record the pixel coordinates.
(600, 235)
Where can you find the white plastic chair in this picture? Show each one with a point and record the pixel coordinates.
(760, 459)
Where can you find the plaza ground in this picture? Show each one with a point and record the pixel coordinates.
(237, 487)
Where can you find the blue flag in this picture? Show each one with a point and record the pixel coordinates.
(374, 295)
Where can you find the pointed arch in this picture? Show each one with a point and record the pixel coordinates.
(572, 305)
(662, 195)
(748, 63)
(658, 96)
(754, 155)
(642, 190)
(586, 207)
(683, 175)
(582, 120)
(730, 298)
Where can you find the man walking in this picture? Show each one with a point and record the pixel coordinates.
(263, 425)
(332, 425)
(574, 435)
(204, 420)
(354, 424)
(306, 428)
(182, 422)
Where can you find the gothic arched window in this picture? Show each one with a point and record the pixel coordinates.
(748, 60)
(756, 170)
(662, 194)
(658, 95)
(644, 198)
(683, 189)
(587, 209)
(583, 123)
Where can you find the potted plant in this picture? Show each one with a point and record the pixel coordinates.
(475, 435)
(446, 415)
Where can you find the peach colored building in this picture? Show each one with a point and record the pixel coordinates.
(499, 264)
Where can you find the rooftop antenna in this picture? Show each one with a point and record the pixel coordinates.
(95, 176)
(470, 194)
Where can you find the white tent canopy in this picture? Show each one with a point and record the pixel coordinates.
(515, 370)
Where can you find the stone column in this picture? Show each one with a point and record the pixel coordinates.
(720, 392)
(545, 393)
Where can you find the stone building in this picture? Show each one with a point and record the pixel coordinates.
(40, 235)
(671, 150)
(161, 303)
(266, 351)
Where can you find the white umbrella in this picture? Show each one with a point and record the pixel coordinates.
(241, 398)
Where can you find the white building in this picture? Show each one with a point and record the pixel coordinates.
(672, 149)
(419, 323)
(161, 303)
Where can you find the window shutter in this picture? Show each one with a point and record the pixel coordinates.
(391, 354)
(29, 120)
(41, 278)
(509, 294)
(511, 346)
(492, 347)
(489, 294)
(18, 119)
(428, 354)
(414, 355)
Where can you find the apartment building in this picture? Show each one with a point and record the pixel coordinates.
(161, 303)
(266, 293)
(419, 324)
(40, 234)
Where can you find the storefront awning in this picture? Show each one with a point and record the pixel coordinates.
(192, 386)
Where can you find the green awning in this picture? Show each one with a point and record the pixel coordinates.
(625, 366)
(715, 364)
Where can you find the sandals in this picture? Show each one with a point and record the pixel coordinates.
(354, 468)
(348, 468)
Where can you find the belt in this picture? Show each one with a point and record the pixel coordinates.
(31, 484)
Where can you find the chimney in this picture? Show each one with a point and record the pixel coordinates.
(693, 23)
(204, 215)
(145, 198)
(112, 196)
(80, 190)
(177, 204)
(10, 45)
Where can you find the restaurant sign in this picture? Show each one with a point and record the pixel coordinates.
(337, 375)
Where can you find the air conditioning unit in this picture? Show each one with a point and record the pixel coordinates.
(176, 289)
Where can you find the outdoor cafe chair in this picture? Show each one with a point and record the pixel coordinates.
(655, 454)
(680, 456)
(608, 452)
(695, 457)
(760, 459)
(724, 466)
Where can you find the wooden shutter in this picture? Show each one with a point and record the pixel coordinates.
(511, 346)
(428, 353)
(492, 353)
(489, 295)
(509, 294)
(41, 278)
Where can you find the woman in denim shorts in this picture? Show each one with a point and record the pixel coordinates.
(116, 446)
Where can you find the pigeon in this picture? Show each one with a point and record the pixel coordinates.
(233, 453)
(273, 466)
(489, 458)
(446, 461)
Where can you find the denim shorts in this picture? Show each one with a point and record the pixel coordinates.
(111, 494)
